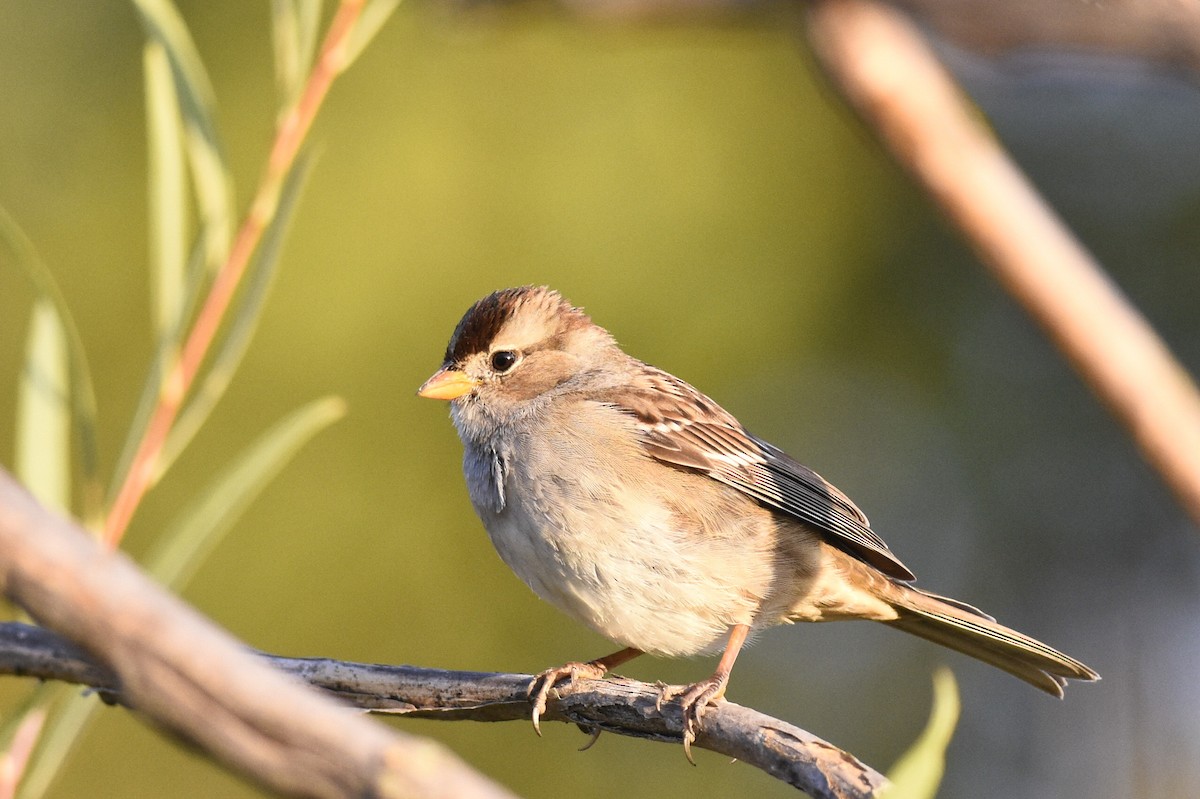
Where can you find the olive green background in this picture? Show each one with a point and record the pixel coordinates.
(705, 196)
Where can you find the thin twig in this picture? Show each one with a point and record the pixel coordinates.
(617, 704)
(176, 667)
(880, 62)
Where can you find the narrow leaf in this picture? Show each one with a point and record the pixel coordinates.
(245, 319)
(285, 27)
(307, 33)
(39, 702)
(164, 24)
(294, 25)
(199, 528)
(59, 737)
(167, 189)
(16, 758)
(43, 456)
(21, 252)
(373, 16)
(197, 104)
(213, 185)
(918, 772)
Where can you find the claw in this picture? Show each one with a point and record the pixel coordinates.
(693, 701)
(538, 707)
(666, 693)
(595, 737)
(544, 682)
(537, 698)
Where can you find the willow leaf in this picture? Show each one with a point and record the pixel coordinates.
(374, 15)
(199, 528)
(43, 452)
(294, 25)
(68, 713)
(918, 772)
(167, 189)
(309, 28)
(197, 104)
(21, 252)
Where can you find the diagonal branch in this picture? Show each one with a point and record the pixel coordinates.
(179, 670)
(881, 64)
(619, 705)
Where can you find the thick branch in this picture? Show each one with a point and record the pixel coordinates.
(616, 705)
(177, 668)
(883, 66)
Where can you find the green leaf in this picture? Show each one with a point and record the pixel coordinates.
(43, 452)
(918, 772)
(168, 207)
(308, 30)
(214, 198)
(197, 104)
(294, 26)
(59, 736)
(199, 528)
(245, 318)
(373, 16)
(21, 252)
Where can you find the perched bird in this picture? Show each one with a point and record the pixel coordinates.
(640, 507)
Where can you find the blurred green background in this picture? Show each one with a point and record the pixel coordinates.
(697, 188)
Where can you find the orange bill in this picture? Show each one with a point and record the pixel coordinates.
(446, 384)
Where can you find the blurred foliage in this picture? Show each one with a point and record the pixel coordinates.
(694, 186)
(918, 772)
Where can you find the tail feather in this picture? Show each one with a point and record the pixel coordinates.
(965, 629)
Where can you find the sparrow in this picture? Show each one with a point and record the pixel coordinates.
(644, 510)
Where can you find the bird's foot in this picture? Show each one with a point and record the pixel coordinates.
(694, 701)
(544, 682)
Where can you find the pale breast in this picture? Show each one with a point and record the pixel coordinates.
(649, 556)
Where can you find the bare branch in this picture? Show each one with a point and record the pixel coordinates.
(615, 705)
(178, 669)
(880, 62)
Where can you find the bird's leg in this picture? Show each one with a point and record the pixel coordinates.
(694, 699)
(539, 687)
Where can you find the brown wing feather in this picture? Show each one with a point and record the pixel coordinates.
(684, 428)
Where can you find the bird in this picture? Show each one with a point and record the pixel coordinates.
(644, 510)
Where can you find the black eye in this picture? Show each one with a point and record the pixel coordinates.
(503, 360)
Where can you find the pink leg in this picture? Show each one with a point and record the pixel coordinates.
(696, 698)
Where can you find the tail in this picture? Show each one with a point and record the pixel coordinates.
(968, 630)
